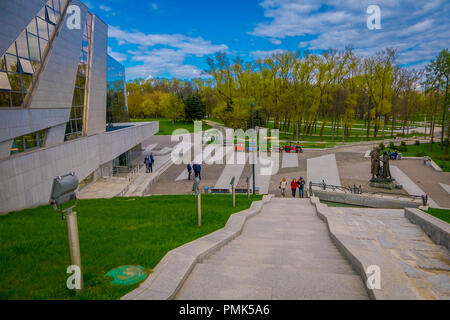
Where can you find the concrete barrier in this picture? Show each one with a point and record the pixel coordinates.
(366, 200)
(437, 229)
(172, 271)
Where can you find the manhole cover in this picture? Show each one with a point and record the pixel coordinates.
(127, 275)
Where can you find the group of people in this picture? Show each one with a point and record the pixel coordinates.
(295, 184)
(393, 155)
(149, 161)
(197, 170)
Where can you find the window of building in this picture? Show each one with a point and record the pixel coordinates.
(23, 58)
(28, 142)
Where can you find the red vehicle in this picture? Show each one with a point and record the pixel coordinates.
(292, 149)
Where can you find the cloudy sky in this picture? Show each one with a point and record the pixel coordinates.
(173, 38)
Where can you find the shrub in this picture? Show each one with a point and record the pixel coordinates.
(391, 145)
(382, 146)
(417, 143)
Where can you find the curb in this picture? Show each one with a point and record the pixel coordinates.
(172, 271)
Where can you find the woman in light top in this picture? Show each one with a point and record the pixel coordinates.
(283, 185)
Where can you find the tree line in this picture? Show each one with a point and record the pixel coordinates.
(306, 93)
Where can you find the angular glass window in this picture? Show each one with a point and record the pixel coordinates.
(14, 80)
(51, 29)
(42, 27)
(30, 141)
(4, 99)
(32, 28)
(36, 65)
(33, 42)
(12, 49)
(11, 63)
(2, 64)
(26, 66)
(41, 137)
(26, 82)
(41, 13)
(4, 82)
(17, 146)
(50, 15)
(22, 45)
(56, 6)
(16, 99)
(43, 45)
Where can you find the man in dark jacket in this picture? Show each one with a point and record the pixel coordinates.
(189, 169)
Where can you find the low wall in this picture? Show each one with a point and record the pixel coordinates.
(436, 229)
(365, 200)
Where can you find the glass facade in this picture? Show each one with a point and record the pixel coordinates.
(23, 58)
(116, 104)
(74, 128)
(30, 141)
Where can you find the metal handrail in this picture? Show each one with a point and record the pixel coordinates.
(359, 190)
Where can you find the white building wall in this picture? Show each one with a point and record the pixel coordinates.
(96, 109)
(26, 179)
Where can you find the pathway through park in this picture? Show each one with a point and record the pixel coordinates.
(285, 252)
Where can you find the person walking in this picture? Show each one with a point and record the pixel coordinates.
(199, 171)
(195, 167)
(283, 185)
(294, 186)
(301, 187)
(152, 158)
(147, 165)
(150, 166)
(189, 169)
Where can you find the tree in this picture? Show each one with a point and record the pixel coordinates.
(173, 107)
(194, 107)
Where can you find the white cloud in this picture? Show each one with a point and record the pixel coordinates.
(275, 41)
(262, 54)
(105, 8)
(169, 56)
(418, 29)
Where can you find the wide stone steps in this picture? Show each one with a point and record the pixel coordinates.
(284, 252)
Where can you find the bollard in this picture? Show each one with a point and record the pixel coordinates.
(233, 190)
(73, 241)
(199, 209)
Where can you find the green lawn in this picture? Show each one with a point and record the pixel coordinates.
(166, 127)
(442, 214)
(115, 232)
(437, 154)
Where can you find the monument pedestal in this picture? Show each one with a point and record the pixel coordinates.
(385, 184)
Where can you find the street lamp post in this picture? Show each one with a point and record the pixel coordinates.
(253, 151)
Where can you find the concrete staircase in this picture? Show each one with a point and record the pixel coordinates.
(141, 185)
(283, 253)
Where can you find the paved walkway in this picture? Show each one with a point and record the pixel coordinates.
(283, 253)
(323, 168)
(409, 185)
(290, 160)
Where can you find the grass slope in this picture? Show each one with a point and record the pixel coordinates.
(115, 232)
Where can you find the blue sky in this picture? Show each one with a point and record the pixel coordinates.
(173, 38)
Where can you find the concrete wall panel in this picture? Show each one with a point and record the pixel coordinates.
(97, 85)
